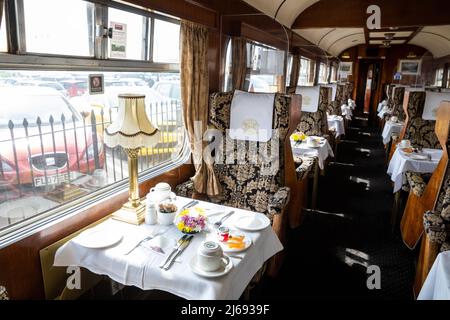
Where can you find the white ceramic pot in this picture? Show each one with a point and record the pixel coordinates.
(166, 218)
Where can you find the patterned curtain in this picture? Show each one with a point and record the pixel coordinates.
(194, 95)
(295, 73)
(239, 63)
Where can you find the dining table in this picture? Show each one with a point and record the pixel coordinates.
(425, 161)
(133, 261)
(391, 128)
(437, 283)
(322, 151)
(337, 124)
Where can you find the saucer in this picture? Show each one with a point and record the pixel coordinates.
(225, 267)
(247, 242)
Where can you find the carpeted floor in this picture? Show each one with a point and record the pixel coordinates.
(328, 255)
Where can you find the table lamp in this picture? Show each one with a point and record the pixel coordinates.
(132, 130)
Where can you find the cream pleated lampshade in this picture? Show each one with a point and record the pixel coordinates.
(131, 129)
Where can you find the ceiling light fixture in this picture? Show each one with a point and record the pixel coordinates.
(389, 36)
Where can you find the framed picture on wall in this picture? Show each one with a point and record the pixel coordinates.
(409, 67)
(346, 67)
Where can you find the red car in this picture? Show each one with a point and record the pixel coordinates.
(43, 156)
(75, 88)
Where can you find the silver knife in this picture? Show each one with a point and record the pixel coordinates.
(179, 251)
(189, 204)
(174, 250)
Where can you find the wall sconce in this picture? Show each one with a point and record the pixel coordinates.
(411, 55)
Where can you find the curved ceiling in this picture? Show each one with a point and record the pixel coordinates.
(288, 12)
(435, 39)
(333, 40)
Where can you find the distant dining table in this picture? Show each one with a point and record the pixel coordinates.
(134, 262)
(337, 124)
(437, 283)
(422, 162)
(391, 128)
(322, 151)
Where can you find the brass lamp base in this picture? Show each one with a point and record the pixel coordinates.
(130, 214)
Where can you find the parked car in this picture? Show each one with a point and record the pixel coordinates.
(46, 84)
(168, 89)
(75, 88)
(47, 155)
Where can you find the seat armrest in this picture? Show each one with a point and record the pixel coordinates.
(278, 201)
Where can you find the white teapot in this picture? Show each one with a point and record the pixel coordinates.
(160, 192)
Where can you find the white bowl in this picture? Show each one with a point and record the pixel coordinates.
(166, 218)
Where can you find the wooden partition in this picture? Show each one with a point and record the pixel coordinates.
(412, 221)
(20, 262)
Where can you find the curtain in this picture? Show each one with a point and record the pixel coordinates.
(194, 95)
(239, 63)
(295, 73)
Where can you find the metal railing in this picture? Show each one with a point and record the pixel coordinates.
(38, 156)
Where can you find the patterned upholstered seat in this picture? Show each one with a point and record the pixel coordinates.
(314, 124)
(334, 108)
(248, 184)
(421, 134)
(3, 293)
(415, 182)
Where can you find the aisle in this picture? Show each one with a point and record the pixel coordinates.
(328, 255)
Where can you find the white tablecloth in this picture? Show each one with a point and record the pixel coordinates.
(140, 268)
(383, 112)
(391, 128)
(437, 284)
(401, 162)
(336, 123)
(347, 112)
(322, 152)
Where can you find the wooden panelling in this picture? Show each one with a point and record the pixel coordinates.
(20, 269)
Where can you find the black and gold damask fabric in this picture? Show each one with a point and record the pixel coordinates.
(415, 182)
(316, 123)
(434, 227)
(334, 108)
(397, 103)
(3, 293)
(305, 167)
(251, 174)
(420, 132)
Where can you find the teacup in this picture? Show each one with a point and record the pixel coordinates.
(405, 144)
(209, 256)
(311, 141)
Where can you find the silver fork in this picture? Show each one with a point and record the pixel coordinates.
(217, 224)
(146, 239)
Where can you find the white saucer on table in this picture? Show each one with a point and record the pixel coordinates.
(252, 222)
(97, 238)
(247, 243)
(225, 267)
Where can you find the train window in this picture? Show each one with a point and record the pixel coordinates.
(439, 77)
(166, 42)
(51, 136)
(333, 70)
(289, 69)
(323, 73)
(266, 68)
(448, 79)
(128, 40)
(3, 40)
(70, 31)
(227, 85)
(307, 72)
